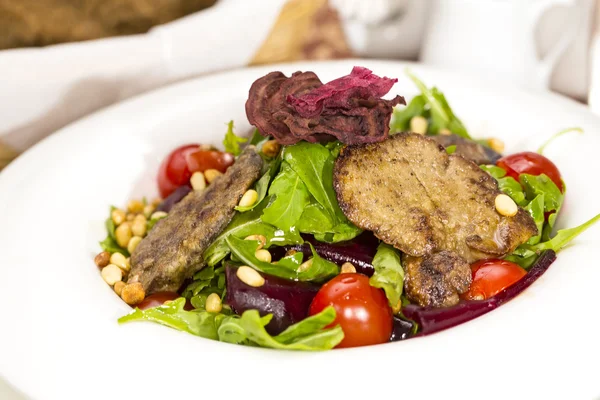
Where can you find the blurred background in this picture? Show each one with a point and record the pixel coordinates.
(63, 59)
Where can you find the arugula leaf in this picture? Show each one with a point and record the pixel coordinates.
(494, 171)
(451, 149)
(307, 334)
(512, 188)
(199, 323)
(246, 224)
(541, 184)
(556, 135)
(257, 139)
(441, 115)
(110, 243)
(287, 267)
(535, 208)
(315, 219)
(389, 274)
(334, 148)
(206, 281)
(401, 117)
(153, 220)
(289, 198)
(232, 141)
(262, 185)
(564, 237)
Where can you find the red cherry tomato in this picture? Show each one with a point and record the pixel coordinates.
(158, 299)
(174, 171)
(361, 310)
(201, 160)
(530, 163)
(491, 277)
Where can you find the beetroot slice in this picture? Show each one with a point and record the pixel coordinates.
(287, 300)
(360, 84)
(433, 320)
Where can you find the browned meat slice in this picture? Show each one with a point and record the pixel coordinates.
(416, 197)
(436, 280)
(173, 249)
(469, 149)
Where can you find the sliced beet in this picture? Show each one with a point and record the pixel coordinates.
(431, 320)
(287, 300)
(174, 198)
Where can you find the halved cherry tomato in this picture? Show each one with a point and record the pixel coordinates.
(201, 160)
(361, 310)
(530, 163)
(491, 277)
(158, 299)
(174, 171)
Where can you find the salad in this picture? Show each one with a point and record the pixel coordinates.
(344, 219)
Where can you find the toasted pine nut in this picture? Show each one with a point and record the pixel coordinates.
(148, 210)
(123, 234)
(117, 216)
(271, 148)
(211, 175)
(418, 124)
(290, 252)
(496, 144)
(263, 255)
(305, 266)
(445, 132)
(262, 241)
(347, 268)
(135, 206)
(102, 259)
(138, 227)
(111, 274)
(213, 303)
(158, 215)
(250, 276)
(249, 198)
(133, 243)
(130, 217)
(156, 202)
(120, 261)
(197, 181)
(119, 287)
(506, 206)
(133, 293)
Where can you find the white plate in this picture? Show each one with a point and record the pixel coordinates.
(59, 338)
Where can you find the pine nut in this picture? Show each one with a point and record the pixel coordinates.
(133, 244)
(123, 234)
(418, 124)
(506, 206)
(111, 274)
(262, 241)
(271, 148)
(156, 202)
(197, 181)
(445, 132)
(158, 215)
(249, 198)
(211, 175)
(148, 210)
(138, 227)
(118, 287)
(102, 259)
(290, 252)
(117, 216)
(347, 268)
(130, 217)
(263, 255)
(120, 261)
(133, 293)
(250, 276)
(305, 266)
(135, 206)
(496, 144)
(213, 303)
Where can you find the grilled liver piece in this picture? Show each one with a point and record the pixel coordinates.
(436, 208)
(469, 149)
(173, 249)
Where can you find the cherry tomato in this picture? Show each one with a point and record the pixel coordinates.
(158, 299)
(362, 310)
(491, 277)
(174, 171)
(201, 160)
(530, 163)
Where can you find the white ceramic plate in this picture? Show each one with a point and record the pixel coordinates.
(59, 338)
